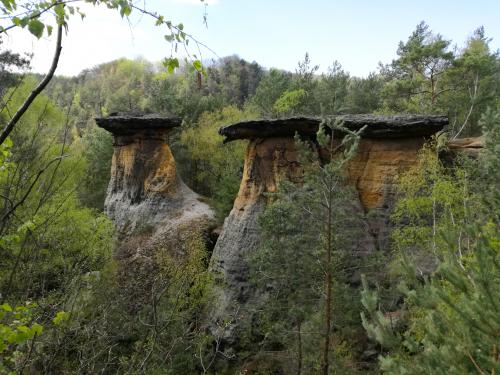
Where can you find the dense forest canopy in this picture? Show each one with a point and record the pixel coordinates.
(426, 304)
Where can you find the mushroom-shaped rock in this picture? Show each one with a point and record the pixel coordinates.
(388, 146)
(145, 189)
(267, 161)
(153, 210)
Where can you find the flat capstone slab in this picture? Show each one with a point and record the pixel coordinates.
(130, 125)
(377, 126)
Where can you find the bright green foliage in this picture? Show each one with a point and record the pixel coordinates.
(47, 238)
(17, 332)
(304, 79)
(431, 201)
(474, 76)
(270, 89)
(215, 169)
(290, 102)
(489, 165)
(331, 91)
(100, 329)
(228, 82)
(363, 94)
(235, 79)
(118, 86)
(428, 78)
(98, 145)
(449, 248)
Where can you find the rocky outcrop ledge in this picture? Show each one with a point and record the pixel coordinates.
(378, 126)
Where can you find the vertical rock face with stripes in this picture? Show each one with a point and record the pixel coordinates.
(154, 212)
(389, 145)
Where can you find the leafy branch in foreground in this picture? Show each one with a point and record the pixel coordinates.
(32, 12)
(31, 16)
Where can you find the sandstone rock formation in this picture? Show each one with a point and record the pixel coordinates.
(267, 161)
(154, 212)
(145, 190)
(470, 147)
(388, 146)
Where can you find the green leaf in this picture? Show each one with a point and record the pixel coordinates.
(60, 12)
(6, 307)
(60, 318)
(125, 10)
(23, 329)
(23, 21)
(169, 38)
(171, 63)
(197, 65)
(36, 28)
(10, 5)
(159, 21)
(37, 329)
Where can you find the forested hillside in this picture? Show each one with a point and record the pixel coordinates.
(76, 297)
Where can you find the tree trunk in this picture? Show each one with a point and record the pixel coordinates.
(299, 347)
(328, 284)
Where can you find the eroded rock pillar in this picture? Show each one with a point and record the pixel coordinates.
(155, 213)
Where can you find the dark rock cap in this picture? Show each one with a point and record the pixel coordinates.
(129, 125)
(378, 126)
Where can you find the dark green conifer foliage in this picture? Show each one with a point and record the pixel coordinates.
(307, 232)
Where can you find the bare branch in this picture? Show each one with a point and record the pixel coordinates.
(20, 112)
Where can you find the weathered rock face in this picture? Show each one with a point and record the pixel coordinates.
(144, 189)
(267, 162)
(470, 147)
(382, 127)
(374, 171)
(389, 145)
(154, 212)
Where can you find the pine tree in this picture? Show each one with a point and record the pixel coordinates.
(307, 230)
